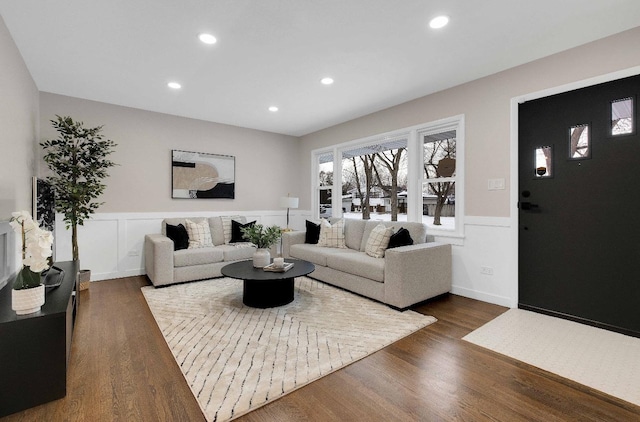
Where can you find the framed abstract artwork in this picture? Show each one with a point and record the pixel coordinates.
(198, 175)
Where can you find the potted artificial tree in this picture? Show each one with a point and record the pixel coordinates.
(78, 158)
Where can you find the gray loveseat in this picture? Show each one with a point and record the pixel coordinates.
(405, 276)
(165, 266)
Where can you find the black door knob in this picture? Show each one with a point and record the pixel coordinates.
(526, 206)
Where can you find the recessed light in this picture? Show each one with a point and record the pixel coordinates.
(207, 38)
(273, 109)
(326, 81)
(174, 85)
(439, 22)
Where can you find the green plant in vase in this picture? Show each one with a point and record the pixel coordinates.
(263, 238)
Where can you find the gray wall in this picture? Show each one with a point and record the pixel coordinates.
(18, 127)
(266, 163)
(18, 132)
(486, 106)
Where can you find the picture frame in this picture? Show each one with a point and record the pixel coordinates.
(199, 175)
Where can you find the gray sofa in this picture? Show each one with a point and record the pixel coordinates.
(165, 266)
(405, 276)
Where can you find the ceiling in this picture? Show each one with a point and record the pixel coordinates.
(274, 52)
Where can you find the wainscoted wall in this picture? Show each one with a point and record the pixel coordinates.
(111, 245)
(486, 246)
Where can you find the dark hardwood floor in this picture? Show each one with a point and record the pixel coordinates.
(122, 370)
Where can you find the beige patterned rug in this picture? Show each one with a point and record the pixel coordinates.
(600, 359)
(237, 358)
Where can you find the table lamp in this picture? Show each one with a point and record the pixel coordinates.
(288, 202)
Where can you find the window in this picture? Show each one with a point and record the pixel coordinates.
(544, 162)
(622, 116)
(324, 188)
(412, 174)
(374, 180)
(579, 142)
(439, 179)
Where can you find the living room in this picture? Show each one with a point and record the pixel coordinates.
(270, 164)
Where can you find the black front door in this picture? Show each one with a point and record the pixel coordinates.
(579, 205)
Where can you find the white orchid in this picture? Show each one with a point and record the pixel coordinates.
(36, 242)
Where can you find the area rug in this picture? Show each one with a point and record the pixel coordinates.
(600, 359)
(236, 358)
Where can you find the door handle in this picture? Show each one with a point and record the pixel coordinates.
(526, 206)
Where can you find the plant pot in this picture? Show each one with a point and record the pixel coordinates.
(261, 258)
(27, 301)
(84, 279)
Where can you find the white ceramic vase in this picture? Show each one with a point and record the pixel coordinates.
(27, 301)
(261, 258)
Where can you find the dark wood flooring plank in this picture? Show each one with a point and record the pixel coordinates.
(122, 370)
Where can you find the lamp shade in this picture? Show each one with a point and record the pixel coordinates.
(289, 202)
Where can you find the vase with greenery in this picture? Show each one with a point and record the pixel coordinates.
(28, 293)
(263, 238)
(79, 160)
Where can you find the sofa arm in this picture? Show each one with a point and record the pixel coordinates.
(158, 258)
(291, 238)
(416, 273)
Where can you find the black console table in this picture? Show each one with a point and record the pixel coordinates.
(35, 348)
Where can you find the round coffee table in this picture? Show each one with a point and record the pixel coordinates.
(267, 289)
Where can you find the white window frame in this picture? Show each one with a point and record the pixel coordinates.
(415, 164)
(316, 188)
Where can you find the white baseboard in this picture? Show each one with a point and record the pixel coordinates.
(485, 297)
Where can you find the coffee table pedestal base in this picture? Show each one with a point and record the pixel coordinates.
(267, 293)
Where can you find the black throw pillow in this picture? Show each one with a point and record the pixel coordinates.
(400, 238)
(179, 236)
(236, 233)
(313, 233)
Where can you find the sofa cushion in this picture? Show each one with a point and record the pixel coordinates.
(237, 251)
(226, 225)
(199, 234)
(236, 231)
(400, 238)
(332, 235)
(357, 263)
(217, 232)
(179, 236)
(314, 253)
(312, 234)
(378, 241)
(418, 231)
(353, 232)
(199, 256)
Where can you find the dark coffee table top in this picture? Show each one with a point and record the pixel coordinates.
(244, 270)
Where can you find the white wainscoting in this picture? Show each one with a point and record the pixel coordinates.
(487, 243)
(111, 245)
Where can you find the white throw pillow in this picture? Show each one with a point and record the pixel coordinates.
(199, 234)
(331, 236)
(378, 241)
